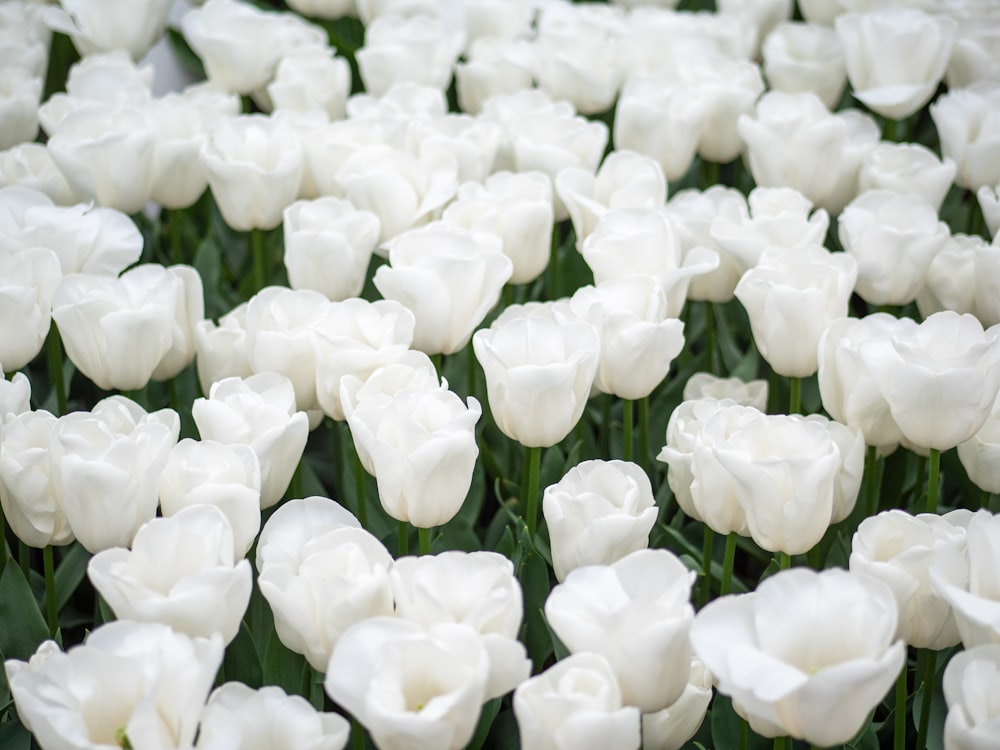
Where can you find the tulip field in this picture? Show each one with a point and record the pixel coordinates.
(499, 374)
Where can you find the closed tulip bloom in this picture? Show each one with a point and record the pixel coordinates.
(966, 121)
(477, 589)
(135, 28)
(626, 179)
(940, 378)
(884, 73)
(794, 141)
(421, 448)
(449, 278)
(971, 681)
(221, 350)
(790, 299)
(490, 68)
(136, 684)
(538, 376)
(968, 581)
(707, 385)
(30, 165)
(254, 165)
(182, 571)
(576, 703)
(800, 646)
(636, 613)
(411, 687)
(310, 78)
(320, 572)
(420, 49)
(980, 455)
(15, 395)
(20, 92)
(894, 239)
(30, 278)
(260, 412)
(849, 389)
(106, 466)
(209, 473)
(31, 508)
(517, 207)
(965, 277)
(805, 57)
(898, 549)
(910, 169)
(672, 727)
(238, 717)
(597, 513)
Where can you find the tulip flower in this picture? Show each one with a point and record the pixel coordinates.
(963, 277)
(964, 119)
(805, 57)
(807, 654)
(136, 30)
(30, 278)
(672, 727)
(310, 78)
(970, 682)
(706, 385)
(491, 68)
(15, 395)
(398, 48)
(599, 512)
(30, 165)
(576, 703)
(910, 169)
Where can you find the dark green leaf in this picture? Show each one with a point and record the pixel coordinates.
(70, 572)
(286, 669)
(241, 662)
(23, 625)
(13, 736)
(490, 710)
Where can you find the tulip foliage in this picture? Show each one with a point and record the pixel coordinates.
(499, 373)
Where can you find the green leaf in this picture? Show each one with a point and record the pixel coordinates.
(286, 669)
(183, 53)
(727, 727)
(241, 662)
(70, 572)
(23, 625)
(534, 577)
(13, 736)
(490, 710)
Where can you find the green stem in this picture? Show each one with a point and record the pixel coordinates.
(627, 419)
(984, 500)
(554, 264)
(404, 539)
(871, 486)
(176, 238)
(54, 357)
(3, 542)
(438, 363)
(899, 731)
(359, 490)
(780, 743)
(357, 735)
(260, 264)
(744, 734)
(890, 130)
(727, 563)
(708, 544)
(605, 424)
(531, 499)
(644, 431)
(24, 557)
(295, 489)
(710, 345)
(933, 479)
(794, 395)
(784, 561)
(927, 667)
(50, 591)
(424, 537)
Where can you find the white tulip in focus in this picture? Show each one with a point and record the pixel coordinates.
(421, 447)
(964, 277)
(321, 573)
(472, 141)
(707, 385)
(237, 716)
(515, 206)
(254, 165)
(124, 24)
(968, 580)
(967, 123)
(636, 613)
(886, 71)
(980, 455)
(356, 337)
(28, 282)
(672, 727)
(129, 684)
(940, 377)
(795, 141)
(894, 238)
(848, 387)
(791, 298)
(449, 278)
(638, 340)
(411, 687)
(575, 704)
(477, 589)
(258, 411)
(971, 683)
(210, 473)
(805, 57)
(15, 395)
(597, 513)
(807, 654)
(898, 549)
(908, 168)
(538, 376)
(625, 180)
(182, 571)
(419, 49)
(221, 350)
(106, 464)
(30, 507)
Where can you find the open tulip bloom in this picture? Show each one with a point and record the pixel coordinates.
(716, 283)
